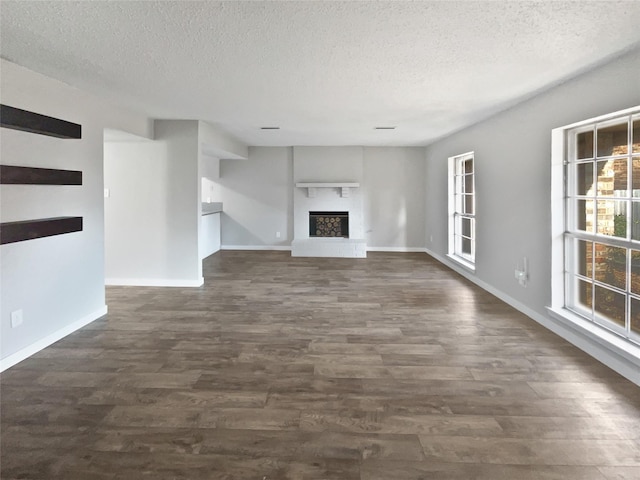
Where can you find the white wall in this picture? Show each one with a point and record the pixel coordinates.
(153, 213)
(209, 193)
(58, 281)
(513, 179)
(394, 193)
(209, 235)
(210, 173)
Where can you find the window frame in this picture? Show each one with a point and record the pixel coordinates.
(566, 233)
(458, 178)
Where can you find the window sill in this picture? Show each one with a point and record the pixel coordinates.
(461, 261)
(615, 343)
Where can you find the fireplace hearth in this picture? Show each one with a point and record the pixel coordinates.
(329, 224)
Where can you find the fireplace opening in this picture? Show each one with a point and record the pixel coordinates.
(329, 224)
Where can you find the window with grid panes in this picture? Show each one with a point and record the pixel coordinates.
(602, 239)
(462, 208)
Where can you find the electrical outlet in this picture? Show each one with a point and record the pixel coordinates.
(277, 234)
(16, 318)
(522, 274)
(431, 238)
(522, 277)
(107, 193)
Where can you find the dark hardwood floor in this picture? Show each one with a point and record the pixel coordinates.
(386, 368)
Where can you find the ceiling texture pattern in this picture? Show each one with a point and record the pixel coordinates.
(325, 72)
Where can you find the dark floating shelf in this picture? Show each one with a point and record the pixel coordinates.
(18, 119)
(11, 232)
(12, 175)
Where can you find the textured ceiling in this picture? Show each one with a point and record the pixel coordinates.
(326, 72)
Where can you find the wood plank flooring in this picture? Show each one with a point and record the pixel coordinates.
(386, 368)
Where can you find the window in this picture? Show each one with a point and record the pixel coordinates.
(602, 222)
(462, 209)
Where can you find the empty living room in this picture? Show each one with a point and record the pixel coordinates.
(320, 240)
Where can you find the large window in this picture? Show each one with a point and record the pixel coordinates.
(462, 203)
(602, 222)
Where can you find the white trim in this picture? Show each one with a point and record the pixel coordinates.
(601, 118)
(327, 184)
(557, 217)
(602, 335)
(455, 211)
(451, 210)
(470, 153)
(153, 282)
(284, 248)
(313, 186)
(593, 343)
(288, 248)
(463, 262)
(396, 249)
(564, 227)
(50, 339)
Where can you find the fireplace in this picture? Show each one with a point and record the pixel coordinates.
(329, 224)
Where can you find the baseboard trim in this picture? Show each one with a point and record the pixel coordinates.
(153, 282)
(286, 248)
(50, 339)
(396, 249)
(589, 343)
(282, 248)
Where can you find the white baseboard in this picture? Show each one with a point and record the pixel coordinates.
(153, 282)
(287, 248)
(396, 249)
(43, 343)
(591, 344)
(283, 248)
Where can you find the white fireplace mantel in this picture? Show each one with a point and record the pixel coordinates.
(312, 187)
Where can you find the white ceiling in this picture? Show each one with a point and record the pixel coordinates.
(326, 72)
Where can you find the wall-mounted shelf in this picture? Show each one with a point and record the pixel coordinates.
(23, 120)
(13, 175)
(11, 232)
(312, 187)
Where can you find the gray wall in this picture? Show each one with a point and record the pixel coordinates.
(394, 184)
(152, 214)
(328, 165)
(58, 281)
(258, 197)
(513, 177)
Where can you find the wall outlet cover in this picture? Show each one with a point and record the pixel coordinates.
(16, 318)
